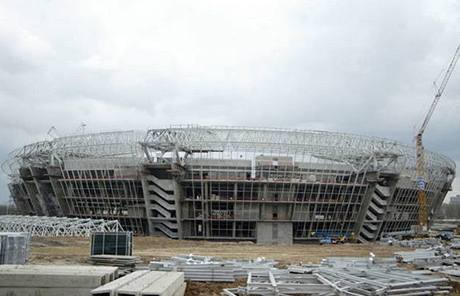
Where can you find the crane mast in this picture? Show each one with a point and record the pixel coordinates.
(420, 150)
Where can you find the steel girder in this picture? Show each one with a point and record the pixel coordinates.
(56, 226)
(361, 152)
(358, 151)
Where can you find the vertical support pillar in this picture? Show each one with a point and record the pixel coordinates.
(54, 174)
(148, 212)
(178, 202)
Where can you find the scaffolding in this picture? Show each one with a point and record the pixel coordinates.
(56, 226)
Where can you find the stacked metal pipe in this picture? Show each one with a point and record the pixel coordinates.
(207, 269)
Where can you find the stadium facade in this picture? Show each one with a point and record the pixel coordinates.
(199, 182)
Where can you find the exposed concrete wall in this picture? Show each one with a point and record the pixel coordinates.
(274, 233)
(274, 211)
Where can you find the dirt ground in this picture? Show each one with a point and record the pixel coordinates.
(76, 250)
(71, 250)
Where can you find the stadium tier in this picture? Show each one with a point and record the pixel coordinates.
(229, 183)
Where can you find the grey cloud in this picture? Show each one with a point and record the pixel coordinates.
(360, 66)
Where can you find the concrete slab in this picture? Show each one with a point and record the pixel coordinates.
(135, 287)
(69, 269)
(167, 285)
(145, 282)
(51, 280)
(110, 288)
(181, 291)
(49, 276)
(17, 291)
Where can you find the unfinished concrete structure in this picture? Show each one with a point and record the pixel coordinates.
(198, 182)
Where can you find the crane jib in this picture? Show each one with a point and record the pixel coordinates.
(420, 155)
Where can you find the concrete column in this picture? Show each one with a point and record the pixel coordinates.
(146, 194)
(274, 233)
(19, 199)
(31, 192)
(178, 202)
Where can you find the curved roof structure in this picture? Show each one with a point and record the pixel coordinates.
(356, 150)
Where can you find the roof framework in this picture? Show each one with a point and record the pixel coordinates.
(56, 226)
(355, 150)
(358, 151)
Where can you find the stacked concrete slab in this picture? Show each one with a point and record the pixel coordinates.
(14, 247)
(53, 280)
(115, 260)
(143, 283)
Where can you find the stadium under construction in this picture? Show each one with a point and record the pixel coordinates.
(229, 183)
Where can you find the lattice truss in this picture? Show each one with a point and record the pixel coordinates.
(109, 145)
(360, 152)
(56, 226)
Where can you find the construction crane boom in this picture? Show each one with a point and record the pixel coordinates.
(440, 90)
(420, 153)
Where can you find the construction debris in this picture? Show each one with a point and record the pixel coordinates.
(381, 281)
(452, 274)
(455, 244)
(411, 256)
(303, 268)
(283, 283)
(412, 243)
(210, 269)
(14, 247)
(344, 281)
(144, 282)
(361, 262)
(53, 280)
(349, 276)
(432, 258)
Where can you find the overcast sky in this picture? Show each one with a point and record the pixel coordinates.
(364, 67)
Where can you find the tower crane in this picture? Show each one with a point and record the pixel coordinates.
(420, 153)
